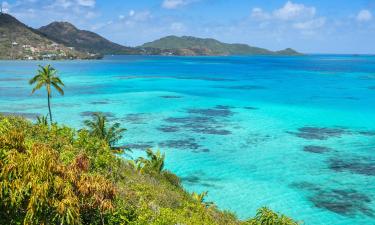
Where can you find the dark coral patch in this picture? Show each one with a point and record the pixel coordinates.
(306, 186)
(188, 143)
(193, 179)
(199, 124)
(213, 131)
(363, 166)
(346, 202)
(371, 87)
(316, 149)
(169, 129)
(319, 133)
(343, 202)
(367, 133)
(202, 121)
(135, 118)
(90, 113)
(201, 150)
(170, 96)
(224, 107)
(99, 103)
(211, 112)
(200, 179)
(189, 120)
(250, 108)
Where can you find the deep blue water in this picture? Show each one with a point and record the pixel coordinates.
(296, 134)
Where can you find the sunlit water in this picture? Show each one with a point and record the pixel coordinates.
(296, 134)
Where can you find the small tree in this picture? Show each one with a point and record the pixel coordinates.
(98, 126)
(47, 77)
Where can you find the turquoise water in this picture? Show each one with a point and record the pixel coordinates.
(296, 134)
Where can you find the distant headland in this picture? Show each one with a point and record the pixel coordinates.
(62, 40)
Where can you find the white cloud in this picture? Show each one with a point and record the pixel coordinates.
(140, 16)
(174, 4)
(364, 16)
(294, 15)
(291, 11)
(5, 6)
(133, 17)
(87, 3)
(310, 24)
(259, 14)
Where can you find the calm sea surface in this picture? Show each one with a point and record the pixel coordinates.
(296, 134)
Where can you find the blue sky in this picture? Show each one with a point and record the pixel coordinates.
(329, 26)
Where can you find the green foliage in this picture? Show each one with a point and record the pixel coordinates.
(201, 199)
(100, 128)
(266, 216)
(56, 175)
(153, 163)
(37, 188)
(42, 121)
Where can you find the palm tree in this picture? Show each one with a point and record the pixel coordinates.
(47, 77)
(201, 198)
(153, 163)
(98, 127)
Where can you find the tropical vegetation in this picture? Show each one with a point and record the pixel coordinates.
(53, 174)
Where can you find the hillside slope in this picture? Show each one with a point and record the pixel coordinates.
(51, 174)
(18, 41)
(69, 35)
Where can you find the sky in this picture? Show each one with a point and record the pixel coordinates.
(319, 26)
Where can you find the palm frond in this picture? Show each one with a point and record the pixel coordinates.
(58, 88)
(37, 87)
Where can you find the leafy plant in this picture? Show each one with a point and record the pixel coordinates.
(42, 120)
(153, 163)
(201, 198)
(265, 216)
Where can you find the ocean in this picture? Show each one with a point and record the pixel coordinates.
(296, 134)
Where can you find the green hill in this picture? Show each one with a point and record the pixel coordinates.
(187, 45)
(18, 41)
(62, 40)
(67, 34)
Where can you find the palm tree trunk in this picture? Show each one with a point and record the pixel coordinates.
(49, 108)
